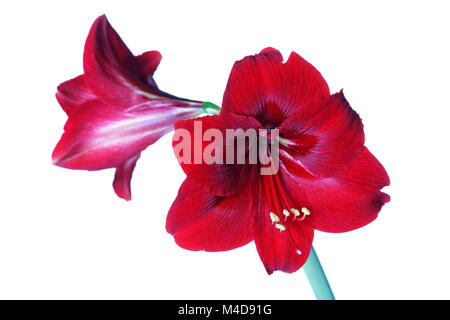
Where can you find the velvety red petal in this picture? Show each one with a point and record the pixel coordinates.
(324, 137)
(73, 93)
(199, 220)
(98, 137)
(122, 178)
(269, 90)
(115, 109)
(148, 62)
(286, 250)
(345, 202)
(218, 178)
(113, 72)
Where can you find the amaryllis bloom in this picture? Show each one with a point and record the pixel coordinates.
(115, 108)
(327, 179)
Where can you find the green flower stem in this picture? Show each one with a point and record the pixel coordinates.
(211, 108)
(317, 278)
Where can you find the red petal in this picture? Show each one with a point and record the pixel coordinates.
(98, 136)
(73, 93)
(149, 61)
(199, 220)
(122, 179)
(264, 87)
(287, 250)
(114, 73)
(346, 202)
(115, 109)
(219, 179)
(324, 137)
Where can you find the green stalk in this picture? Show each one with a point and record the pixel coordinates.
(317, 278)
(210, 108)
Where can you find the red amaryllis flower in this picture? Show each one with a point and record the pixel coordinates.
(327, 179)
(115, 108)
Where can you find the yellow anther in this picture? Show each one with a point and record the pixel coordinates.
(286, 213)
(295, 211)
(306, 211)
(280, 226)
(274, 217)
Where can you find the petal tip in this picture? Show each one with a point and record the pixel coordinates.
(57, 157)
(270, 50)
(123, 193)
(150, 61)
(55, 161)
(122, 178)
(269, 272)
(101, 19)
(272, 53)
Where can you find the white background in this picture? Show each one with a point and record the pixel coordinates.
(64, 234)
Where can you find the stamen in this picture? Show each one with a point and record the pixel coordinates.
(279, 201)
(306, 211)
(274, 217)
